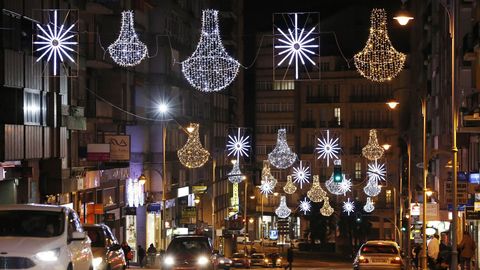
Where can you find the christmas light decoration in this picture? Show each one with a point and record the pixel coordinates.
(301, 174)
(368, 207)
(348, 207)
(376, 171)
(234, 200)
(372, 188)
(326, 209)
(281, 156)
(235, 175)
(192, 154)
(268, 182)
(266, 187)
(305, 206)
(56, 42)
(328, 148)
(379, 61)
(238, 145)
(316, 193)
(127, 50)
(210, 68)
(296, 45)
(372, 150)
(289, 187)
(339, 188)
(135, 193)
(283, 211)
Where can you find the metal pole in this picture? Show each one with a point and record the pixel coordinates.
(164, 180)
(262, 229)
(395, 212)
(425, 168)
(409, 192)
(214, 167)
(245, 215)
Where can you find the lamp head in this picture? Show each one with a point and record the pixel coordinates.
(403, 17)
(386, 146)
(163, 108)
(392, 104)
(142, 179)
(190, 129)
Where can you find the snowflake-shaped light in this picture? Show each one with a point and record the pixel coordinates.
(266, 187)
(348, 207)
(301, 174)
(55, 42)
(305, 206)
(328, 148)
(238, 145)
(296, 46)
(339, 188)
(368, 206)
(376, 171)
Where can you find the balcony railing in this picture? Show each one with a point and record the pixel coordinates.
(367, 99)
(379, 124)
(308, 124)
(323, 99)
(331, 124)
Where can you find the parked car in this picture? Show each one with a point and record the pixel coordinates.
(379, 255)
(43, 237)
(222, 262)
(107, 252)
(259, 259)
(276, 260)
(240, 260)
(295, 243)
(188, 252)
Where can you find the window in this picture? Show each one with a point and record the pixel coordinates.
(336, 114)
(388, 196)
(32, 107)
(284, 85)
(358, 170)
(356, 142)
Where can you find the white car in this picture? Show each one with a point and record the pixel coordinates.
(379, 254)
(41, 237)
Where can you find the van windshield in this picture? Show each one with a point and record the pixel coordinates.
(31, 223)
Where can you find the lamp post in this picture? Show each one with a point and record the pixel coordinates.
(163, 109)
(425, 168)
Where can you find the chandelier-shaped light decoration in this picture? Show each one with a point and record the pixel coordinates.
(210, 68)
(326, 209)
(372, 151)
(372, 188)
(379, 61)
(339, 188)
(316, 192)
(127, 50)
(238, 145)
(281, 156)
(368, 207)
(376, 171)
(268, 182)
(328, 148)
(56, 42)
(135, 193)
(283, 211)
(301, 174)
(348, 207)
(192, 154)
(305, 206)
(235, 175)
(289, 187)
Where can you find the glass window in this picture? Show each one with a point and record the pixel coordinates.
(189, 245)
(32, 107)
(388, 196)
(358, 170)
(31, 223)
(337, 115)
(385, 249)
(96, 235)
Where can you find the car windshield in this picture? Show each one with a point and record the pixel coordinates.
(31, 223)
(191, 246)
(238, 255)
(96, 235)
(384, 249)
(258, 256)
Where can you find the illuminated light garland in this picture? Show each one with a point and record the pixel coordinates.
(127, 50)
(55, 42)
(369, 207)
(372, 151)
(238, 145)
(281, 156)
(301, 174)
(376, 171)
(372, 188)
(235, 175)
(379, 61)
(282, 210)
(268, 182)
(326, 209)
(305, 206)
(328, 148)
(210, 68)
(316, 193)
(348, 207)
(339, 188)
(135, 193)
(192, 154)
(289, 187)
(235, 199)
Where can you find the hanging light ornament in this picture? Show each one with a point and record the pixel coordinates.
(372, 188)
(372, 150)
(281, 156)
(238, 145)
(348, 207)
(369, 206)
(376, 171)
(339, 188)
(379, 61)
(127, 50)
(235, 175)
(305, 206)
(327, 148)
(192, 154)
(326, 209)
(268, 182)
(301, 174)
(283, 211)
(289, 187)
(210, 68)
(316, 193)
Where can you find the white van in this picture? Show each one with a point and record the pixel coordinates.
(42, 237)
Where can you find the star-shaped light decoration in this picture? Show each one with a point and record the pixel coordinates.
(305, 206)
(297, 44)
(238, 145)
(328, 148)
(301, 174)
(376, 171)
(348, 207)
(266, 187)
(55, 42)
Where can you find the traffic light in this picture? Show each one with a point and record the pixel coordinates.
(337, 173)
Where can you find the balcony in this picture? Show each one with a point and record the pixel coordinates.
(330, 124)
(369, 125)
(307, 150)
(369, 99)
(356, 150)
(322, 99)
(308, 124)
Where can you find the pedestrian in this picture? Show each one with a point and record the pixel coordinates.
(445, 253)
(290, 258)
(127, 251)
(141, 255)
(432, 251)
(416, 255)
(466, 251)
(152, 253)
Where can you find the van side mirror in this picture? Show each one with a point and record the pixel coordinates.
(78, 236)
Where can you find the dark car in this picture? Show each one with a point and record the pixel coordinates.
(188, 252)
(259, 259)
(276, 260)
(240, 260)
(107, 252)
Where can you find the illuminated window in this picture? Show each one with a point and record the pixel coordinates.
(336, 114)
(358, 170)
(388, 196)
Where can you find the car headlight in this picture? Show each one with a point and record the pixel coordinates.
(202, 260)
(169, 261)
(97, 261)
(48, 256)
(221, 261)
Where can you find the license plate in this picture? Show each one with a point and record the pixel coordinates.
(379, 261)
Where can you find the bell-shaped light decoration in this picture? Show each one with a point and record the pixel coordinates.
(210, 68)
(372, 150)
(326, 209)
(316, 193)
(379, 61)
(339, 188)
(368, 207)
(281, 156)
(127, 50)
(268, 182)
(290, 187)
(283, 211)
(192, 154)
(235, 175)
(372, 188)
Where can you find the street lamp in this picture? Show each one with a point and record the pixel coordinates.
(403, 16)
(163, 110)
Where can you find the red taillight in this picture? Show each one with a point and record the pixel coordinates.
(362, 259)
(397, 260)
